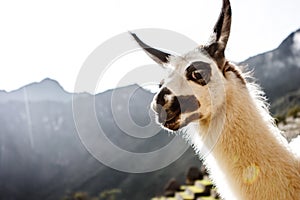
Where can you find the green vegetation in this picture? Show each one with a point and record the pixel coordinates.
(293, 111)
(280, 119)
(77, 196)
(111, 194)
(286, 105)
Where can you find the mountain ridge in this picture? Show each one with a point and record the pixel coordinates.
(41, 137)
(278, 70)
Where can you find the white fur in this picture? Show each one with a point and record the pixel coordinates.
(237, 139)
(263, 139)
(295, 146)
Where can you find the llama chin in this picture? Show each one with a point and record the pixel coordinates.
(226, 120)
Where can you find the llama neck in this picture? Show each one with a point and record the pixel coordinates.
(248, 127)
(250, 149)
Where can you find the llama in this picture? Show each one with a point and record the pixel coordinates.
(221, 109)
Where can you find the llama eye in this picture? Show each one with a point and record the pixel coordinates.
(197, 74)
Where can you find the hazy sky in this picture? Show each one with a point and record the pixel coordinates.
(40, 39)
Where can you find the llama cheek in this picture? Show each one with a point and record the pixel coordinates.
(205, 112)
(188, 118)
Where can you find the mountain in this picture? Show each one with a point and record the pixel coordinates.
(284, 104)
(278, 71)
(42, 155)
(46, 90)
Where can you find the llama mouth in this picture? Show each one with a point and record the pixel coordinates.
(172, 119)
(176, 122)
(172, 123)
(169, 121)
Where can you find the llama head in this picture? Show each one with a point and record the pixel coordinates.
(196, 83)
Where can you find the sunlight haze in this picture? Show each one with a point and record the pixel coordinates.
(41, 39)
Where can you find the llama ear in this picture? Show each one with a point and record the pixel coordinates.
(218, 40)
(158, 56)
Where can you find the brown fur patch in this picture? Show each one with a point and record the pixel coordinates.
(229, 67)
(191, 118)
(186, 104)
(216, 53)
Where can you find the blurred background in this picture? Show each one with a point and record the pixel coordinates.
(43, 47)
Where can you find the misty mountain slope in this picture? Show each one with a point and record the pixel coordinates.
(278, 71)
(42, 156)
(282, 105)
(46, 90)
(36, 148)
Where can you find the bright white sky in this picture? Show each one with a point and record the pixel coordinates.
(40, 39)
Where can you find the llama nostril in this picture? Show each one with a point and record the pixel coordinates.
(160, 100)
(160, 111)
(162, 96)
(162, 116)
